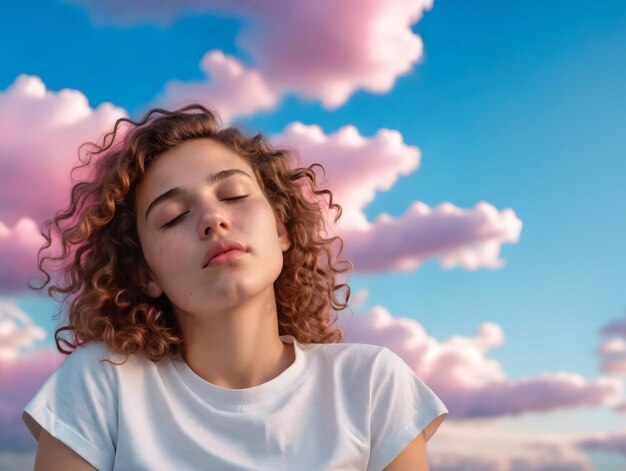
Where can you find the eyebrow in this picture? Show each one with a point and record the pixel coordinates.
(176, 191)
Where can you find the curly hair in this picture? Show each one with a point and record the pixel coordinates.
(99, 245)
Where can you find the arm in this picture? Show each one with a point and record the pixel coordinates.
(413, 458)
(54, 455)
(405, 413)
(77, 405)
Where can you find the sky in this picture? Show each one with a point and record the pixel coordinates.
(477, 148)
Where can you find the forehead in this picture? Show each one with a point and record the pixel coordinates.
(188, 163)
(194, 155)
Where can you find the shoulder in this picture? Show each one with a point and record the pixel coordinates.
(398, 390)
(94, 365)
(352, 355)
(78, 404)
(360, 366)
(390, 365)
(88, 369)
(94, 350)
(375, 357)
(93, 356)
(393, 375)
(97, 352)
(344, 348)
(403, 407)
(382, 363)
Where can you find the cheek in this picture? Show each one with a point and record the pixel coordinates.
(251, 219)
(165, 254)
(269, 226)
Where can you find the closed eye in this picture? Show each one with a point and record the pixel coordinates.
(236, 198)
(175, 220)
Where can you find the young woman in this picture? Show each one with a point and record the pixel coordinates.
(200, 311)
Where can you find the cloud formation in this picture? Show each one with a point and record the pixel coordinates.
(323, 50)
(358, 167)
(40, 136)
(23, 369)
(613, 442)
(547, 455)
(45, 129)
(328, 50)
(20, 378)
(471, 385)
(18, 255)
(612, 351)
(17, 331)
(230, 89)
(41, 133)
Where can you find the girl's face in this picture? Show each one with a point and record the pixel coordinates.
(182, 213)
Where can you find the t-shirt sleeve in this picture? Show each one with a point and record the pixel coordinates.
(402, 407)
(78, 406)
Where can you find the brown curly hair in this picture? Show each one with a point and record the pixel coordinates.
(100, 246)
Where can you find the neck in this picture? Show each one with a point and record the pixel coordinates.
(239, 347)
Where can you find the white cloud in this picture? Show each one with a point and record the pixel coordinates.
(472, 385)
(358, 167)
(323, 50)
(230, 89)
(17, 331)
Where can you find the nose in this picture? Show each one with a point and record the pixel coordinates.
(213, 220)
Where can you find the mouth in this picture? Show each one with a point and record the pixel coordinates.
(223, 250)
(226, 257)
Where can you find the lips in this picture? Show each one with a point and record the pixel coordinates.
(221, 246)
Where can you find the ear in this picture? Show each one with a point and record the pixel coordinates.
(283, 235)
(145, 279)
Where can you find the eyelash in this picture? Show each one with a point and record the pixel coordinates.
(174, 221)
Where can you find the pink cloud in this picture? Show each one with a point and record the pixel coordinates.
(38, 154)
(615, 328)
(40, 135)
(23, 369)
(325, 50)
(231, 89)
(485, 446)
(18, 254)
(614, 442)
(471, 385)
(541, 457)
(358, 167)
(612, 351)
(470, 239)
(20, 379)
(613, 355)
(335, 48)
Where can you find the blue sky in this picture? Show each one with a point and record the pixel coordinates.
(520, 104)
(508, 106)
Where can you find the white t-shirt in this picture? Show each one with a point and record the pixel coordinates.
(339, 406)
